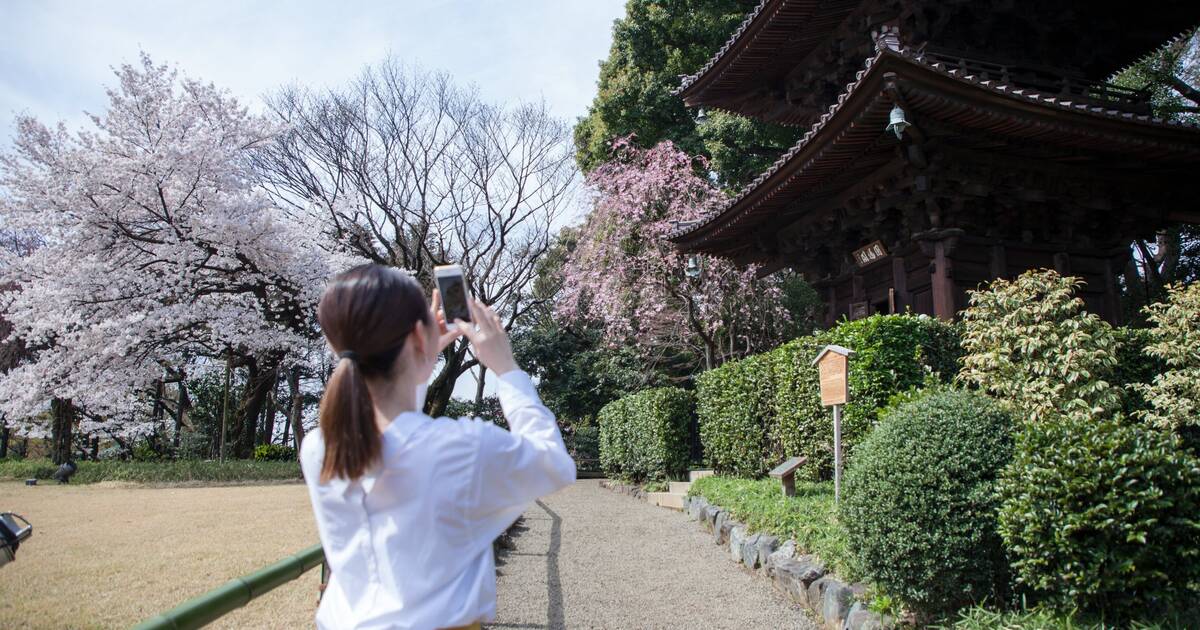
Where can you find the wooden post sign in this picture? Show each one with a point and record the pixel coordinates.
(834, 365)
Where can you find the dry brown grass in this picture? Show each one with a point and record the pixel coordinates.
(105, 556)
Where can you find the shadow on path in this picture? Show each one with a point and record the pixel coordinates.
(555, 613)
(555, 616)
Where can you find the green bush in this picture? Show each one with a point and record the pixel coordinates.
(1100, 515)
(644, 436)
(1174, 395)
(809, 518)
(1030, 343)
(919, 500)
(177, 471)
(734, 403)
(1135, 368)
(274, 453)
(758, 411)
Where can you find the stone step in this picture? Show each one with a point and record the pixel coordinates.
(699, 474)
(680, 487)
(665, 499)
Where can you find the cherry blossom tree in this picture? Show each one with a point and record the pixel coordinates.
(625, 276)
(159, 254)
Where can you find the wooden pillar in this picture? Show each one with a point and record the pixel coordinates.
(1112, 299)
(832, 312)
(943, 283)
(999, 262)
(900, 283)
(1062, 263)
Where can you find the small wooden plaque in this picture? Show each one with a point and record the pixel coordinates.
(786, 474)
(833, 363)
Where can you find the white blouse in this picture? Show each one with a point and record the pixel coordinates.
(409, 543)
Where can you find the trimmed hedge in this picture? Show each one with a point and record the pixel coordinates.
(734, 403)
(644, 436)
(920, 500)
(757, 411)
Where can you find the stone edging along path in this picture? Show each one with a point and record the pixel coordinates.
(802, 577)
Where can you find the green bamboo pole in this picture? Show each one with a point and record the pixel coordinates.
(202, 610)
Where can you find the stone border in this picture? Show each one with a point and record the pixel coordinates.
(802, 577)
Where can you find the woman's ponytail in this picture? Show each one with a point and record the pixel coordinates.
(348, 427)
(366, 313)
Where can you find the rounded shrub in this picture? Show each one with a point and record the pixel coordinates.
(1101, 515)
(644, 436)
(919, 500)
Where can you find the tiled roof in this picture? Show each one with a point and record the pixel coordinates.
(909, 61)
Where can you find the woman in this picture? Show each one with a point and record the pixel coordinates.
(407, 506)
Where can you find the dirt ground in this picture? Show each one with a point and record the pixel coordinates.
(105, 556)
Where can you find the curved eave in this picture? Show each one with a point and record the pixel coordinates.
(858, 119)
(776, 34)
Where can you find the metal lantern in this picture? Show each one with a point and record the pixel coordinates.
(897, 122)
(701, 116)
(693, 267)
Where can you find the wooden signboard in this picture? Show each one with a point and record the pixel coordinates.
(833, 363)
(786, 474)
(873, 252)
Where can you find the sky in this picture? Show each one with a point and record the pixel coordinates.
(57, 56)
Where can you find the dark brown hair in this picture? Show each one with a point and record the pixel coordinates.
(366, 314)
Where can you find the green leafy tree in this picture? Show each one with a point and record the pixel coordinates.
(653, 45)
(1171, 75)
(1030, 344)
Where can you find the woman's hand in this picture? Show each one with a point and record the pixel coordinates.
(488, 339)
(446, 336)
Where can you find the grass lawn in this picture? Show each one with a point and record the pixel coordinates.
(809, 517)
(108, 556)
(178, 471)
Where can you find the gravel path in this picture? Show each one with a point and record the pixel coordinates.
(593, 558)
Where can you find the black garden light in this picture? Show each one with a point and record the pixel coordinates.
(14, 530)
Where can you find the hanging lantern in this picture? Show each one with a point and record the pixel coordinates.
(701, 116)
(693, 267)
(897, 122)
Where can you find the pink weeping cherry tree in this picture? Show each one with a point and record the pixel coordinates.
(626, 277)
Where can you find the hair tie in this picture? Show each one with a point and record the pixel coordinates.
(348, 354)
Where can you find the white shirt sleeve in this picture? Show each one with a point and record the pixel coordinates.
(520, 465)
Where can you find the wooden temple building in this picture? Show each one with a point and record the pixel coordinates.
(949, 143)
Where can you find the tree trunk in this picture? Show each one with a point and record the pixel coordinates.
(267, 430)
(60, 438)
(95, 448)
(3, 440)
(180, 406)
(442, 387)
(258, 385)
(479, 389)
(297, 407)
(225, 408)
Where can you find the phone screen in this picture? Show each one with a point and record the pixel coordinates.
(454, 298)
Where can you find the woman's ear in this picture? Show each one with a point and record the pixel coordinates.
(417, 339)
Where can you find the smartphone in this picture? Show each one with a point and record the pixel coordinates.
(453, 287)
